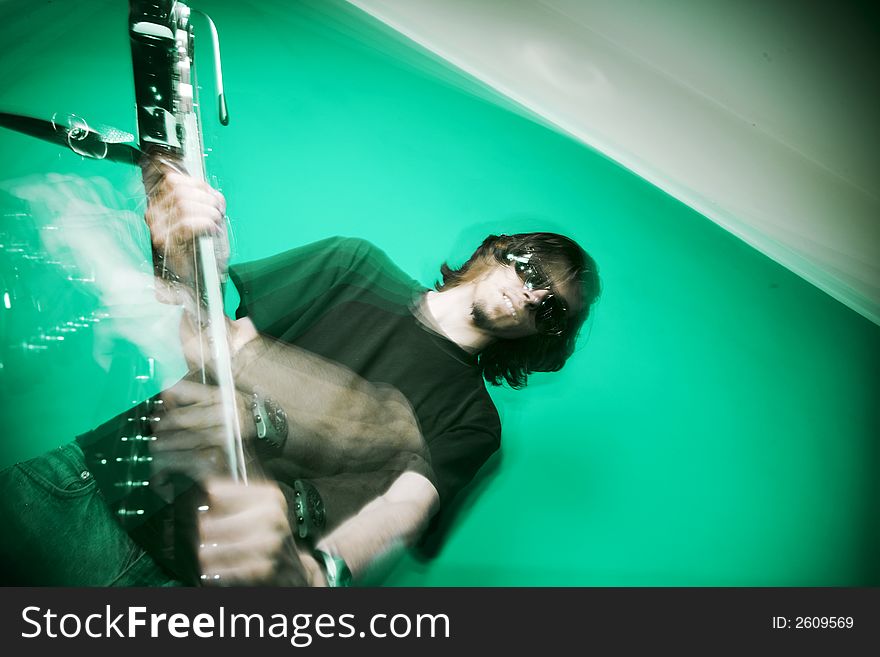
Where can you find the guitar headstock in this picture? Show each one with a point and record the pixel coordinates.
(166, 89)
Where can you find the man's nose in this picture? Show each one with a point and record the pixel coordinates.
(534, 297)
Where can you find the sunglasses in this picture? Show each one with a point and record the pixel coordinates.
(551, 316)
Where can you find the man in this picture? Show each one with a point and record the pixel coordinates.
(379, 384)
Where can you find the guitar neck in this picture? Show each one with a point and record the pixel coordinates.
(166, 94)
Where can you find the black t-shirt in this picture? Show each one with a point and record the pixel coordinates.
(343, 299)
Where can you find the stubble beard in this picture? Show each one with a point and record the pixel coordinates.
(481, 319)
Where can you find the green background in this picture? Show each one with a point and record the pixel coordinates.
(718, 423)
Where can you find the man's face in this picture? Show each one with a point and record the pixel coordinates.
(506, 308)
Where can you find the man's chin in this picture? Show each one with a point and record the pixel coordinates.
(481, 319)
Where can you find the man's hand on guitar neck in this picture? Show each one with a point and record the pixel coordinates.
(179, 209)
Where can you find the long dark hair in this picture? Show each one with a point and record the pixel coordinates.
(512, 360)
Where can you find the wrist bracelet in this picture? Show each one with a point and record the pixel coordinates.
(309, 510)
(335, 569)
(270, 421)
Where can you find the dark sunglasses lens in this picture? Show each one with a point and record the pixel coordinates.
(551, 317)
(532, 277)
(524, 270)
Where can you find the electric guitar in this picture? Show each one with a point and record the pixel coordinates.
(159, 513)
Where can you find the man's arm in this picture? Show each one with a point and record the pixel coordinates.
(340, 425)
(377, 535)
(339, 421)
(245, 536)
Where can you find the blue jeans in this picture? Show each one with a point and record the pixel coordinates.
(57, 530)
